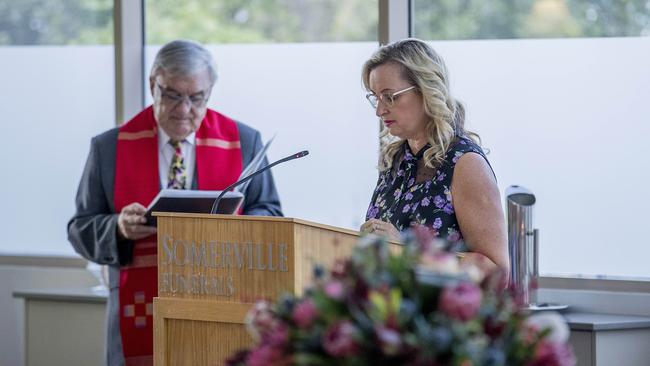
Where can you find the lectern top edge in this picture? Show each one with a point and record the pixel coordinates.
(255, 218)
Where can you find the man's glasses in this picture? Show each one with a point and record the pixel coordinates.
(173, 98)
(387, 98)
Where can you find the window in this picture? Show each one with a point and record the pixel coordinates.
(261, 21)
(476, 19)
(292, 68)
(558, 90)
(58, 78)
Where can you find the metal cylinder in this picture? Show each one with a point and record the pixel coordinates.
(522, 244)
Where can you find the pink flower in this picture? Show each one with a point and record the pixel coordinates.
(304, 313)
(461, 302)
(339, 339)
(424, 235)
(266, 355)
(390, 340)
(553, 354)
(334, 289)
(278, 336)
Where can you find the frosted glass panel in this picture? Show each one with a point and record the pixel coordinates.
(312, 97)
(54, 99)
(568, 119)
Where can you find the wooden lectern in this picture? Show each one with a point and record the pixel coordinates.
(212, 268)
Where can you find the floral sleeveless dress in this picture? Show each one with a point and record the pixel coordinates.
(411, 194)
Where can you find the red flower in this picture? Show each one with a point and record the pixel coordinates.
(339, 339)
(304, 313)
(493, 327)
(339, 269)
(461, 302)
(553, 354)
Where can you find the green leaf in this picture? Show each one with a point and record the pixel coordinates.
(310, 359)
(378, 301)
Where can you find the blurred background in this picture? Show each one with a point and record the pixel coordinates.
(558, 90)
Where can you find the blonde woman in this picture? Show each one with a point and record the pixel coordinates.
(432, 171)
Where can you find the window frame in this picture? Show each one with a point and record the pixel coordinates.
(395, 22)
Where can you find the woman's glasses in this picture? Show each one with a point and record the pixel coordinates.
(387, 98)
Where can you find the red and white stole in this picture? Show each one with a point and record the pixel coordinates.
(218, 164)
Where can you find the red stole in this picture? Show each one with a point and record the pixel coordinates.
(218, 164)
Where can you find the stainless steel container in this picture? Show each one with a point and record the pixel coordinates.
(522, 244)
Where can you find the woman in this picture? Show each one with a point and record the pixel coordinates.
(432, 170)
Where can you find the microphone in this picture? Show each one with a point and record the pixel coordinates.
(215, 205)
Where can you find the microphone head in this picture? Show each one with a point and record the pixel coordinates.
(302, 153)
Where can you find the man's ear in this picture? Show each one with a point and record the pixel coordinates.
(152, 84)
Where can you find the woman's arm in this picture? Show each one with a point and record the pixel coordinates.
(476, 200)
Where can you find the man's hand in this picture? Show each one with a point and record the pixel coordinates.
(382, 228)
(130, 222)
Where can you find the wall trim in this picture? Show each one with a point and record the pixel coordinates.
(42, 261)
(595, 284)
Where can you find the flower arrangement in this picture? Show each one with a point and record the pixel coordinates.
(421, 307)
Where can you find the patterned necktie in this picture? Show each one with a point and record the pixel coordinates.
(177, 176)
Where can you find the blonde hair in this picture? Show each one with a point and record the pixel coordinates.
(425, 69)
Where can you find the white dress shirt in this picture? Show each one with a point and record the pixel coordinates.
(166, 153)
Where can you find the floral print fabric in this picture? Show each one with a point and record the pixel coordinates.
(404, 202)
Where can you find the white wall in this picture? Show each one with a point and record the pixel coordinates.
(54, 99)
(570, 120)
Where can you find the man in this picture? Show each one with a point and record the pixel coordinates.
(175, 143)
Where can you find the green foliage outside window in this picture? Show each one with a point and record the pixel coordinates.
(56, 22)
(59, 22)
(52, 22)
(503, 19)
(261, 21)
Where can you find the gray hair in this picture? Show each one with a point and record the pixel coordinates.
(183, 57)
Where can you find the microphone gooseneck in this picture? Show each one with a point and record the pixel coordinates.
(215, 205)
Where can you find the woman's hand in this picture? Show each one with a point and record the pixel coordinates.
(382, 228)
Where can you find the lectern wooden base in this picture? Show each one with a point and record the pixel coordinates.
(197, 332)
(212, 268)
